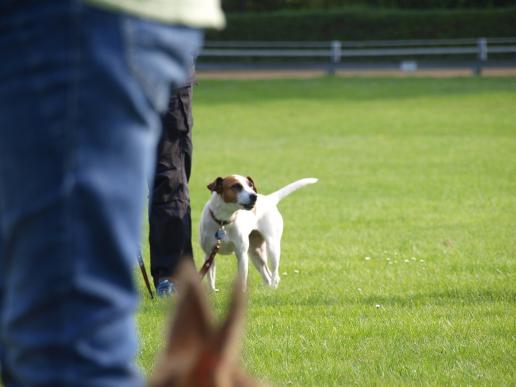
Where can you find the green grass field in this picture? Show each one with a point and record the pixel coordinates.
(399, 265)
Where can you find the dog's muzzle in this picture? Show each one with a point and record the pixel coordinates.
(252, 202)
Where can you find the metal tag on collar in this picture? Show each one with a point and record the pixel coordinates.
(220, 234)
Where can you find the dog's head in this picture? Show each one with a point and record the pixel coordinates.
(236, 189)
(198, 353)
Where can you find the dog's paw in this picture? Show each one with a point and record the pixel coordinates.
(275, 282)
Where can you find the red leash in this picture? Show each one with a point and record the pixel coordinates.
(209, 262)
(219, 235)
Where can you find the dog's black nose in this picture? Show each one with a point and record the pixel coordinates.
(253, 198)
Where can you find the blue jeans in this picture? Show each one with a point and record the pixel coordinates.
(81, 90)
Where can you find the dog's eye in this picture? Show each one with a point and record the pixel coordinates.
(237, 187)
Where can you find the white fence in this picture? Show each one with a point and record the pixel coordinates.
(335, 53)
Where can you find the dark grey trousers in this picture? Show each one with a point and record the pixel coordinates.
(170, 225)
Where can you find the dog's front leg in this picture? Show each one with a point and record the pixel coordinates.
(212, 275)
(243, 264)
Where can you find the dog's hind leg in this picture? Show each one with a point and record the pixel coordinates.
(258, 254)
(259, 258)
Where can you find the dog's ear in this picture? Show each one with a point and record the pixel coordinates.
(229, 337)
(197, 354)
(216, 185)
(193, 322)
(251, 184)
(224, 348)
(192, 327)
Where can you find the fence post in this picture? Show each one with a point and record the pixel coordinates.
(336, 53)
(481, 55)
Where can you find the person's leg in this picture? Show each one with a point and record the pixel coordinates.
(5, 377)
(79, 93)
(170, 230)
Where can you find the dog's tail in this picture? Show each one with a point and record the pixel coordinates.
(288, 189)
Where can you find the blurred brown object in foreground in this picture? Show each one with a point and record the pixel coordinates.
(198, 353)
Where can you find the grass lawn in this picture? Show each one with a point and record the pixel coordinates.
(399, 265)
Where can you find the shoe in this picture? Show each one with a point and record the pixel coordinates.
(165, 288)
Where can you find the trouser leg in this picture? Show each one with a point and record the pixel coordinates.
(80, 91)
(170, 228)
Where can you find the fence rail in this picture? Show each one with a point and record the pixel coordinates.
(336, 51)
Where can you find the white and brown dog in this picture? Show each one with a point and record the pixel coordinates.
(247, 223)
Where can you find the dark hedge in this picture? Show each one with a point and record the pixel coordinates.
(368, 24)
(276, 5)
